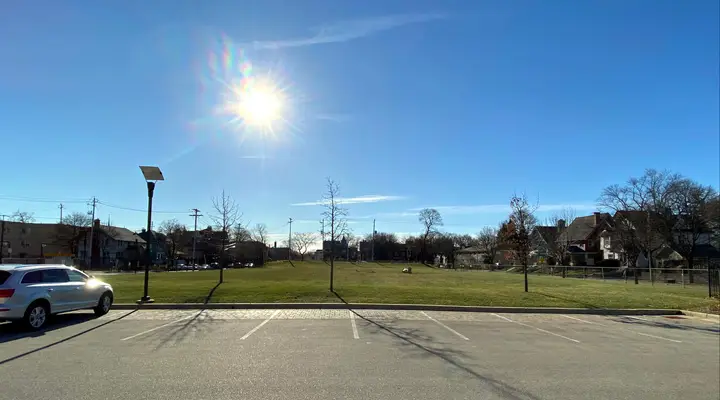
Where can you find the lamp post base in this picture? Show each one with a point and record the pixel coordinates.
(145, 299)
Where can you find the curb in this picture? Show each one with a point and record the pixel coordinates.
(405, 307)
(696, 314)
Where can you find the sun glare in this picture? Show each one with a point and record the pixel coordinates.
(259, 105)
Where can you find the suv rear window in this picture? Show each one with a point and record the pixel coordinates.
(32, 277)
(3, 276)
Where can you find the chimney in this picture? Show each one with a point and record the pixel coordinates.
(275, 245)
(561, 224)
(97, 224)
(597, 218)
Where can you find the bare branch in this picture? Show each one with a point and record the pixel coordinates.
(226, 216)
(23, 217)
(431, 220)
(260, 233)
(301, 242)
(174, 232)
(487, 240)
(524, 221)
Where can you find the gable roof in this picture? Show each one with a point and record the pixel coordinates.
(548, 233)
(121, 234)
(582, 227)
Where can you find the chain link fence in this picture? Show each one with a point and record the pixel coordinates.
(683, 277)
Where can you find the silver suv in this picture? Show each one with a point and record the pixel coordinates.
(31, 293)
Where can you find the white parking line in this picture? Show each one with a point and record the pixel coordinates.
(444, 326)
(354, 325)
(161, 326)
(253, 330)
(536, 328)
(629, 330)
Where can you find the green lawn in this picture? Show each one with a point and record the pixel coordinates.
(384, 283)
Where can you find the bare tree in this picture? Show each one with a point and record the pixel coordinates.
(23, 217)
(692, 203)
(174, 231)
(225, 218)
(557, 242)
(645, 205)
(68, 233)
(487, 240)
(77, 219)
(260, 233)
(302, 241)
(431, 220)
(335, 216)
(523, 218)
(240, 233)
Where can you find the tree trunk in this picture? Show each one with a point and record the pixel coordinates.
(525, 268)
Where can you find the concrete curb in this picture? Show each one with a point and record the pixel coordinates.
(696, 314)
(408, 307)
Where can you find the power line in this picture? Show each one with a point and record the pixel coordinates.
(138, 209)
(38, 200)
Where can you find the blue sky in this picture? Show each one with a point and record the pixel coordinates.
(406, 104)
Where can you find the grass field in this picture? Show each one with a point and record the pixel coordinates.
(384, 283)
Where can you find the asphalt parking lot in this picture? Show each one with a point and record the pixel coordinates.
(360, 354)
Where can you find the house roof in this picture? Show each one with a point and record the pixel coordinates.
(547, 233)
(471, 250)
(582, 227)
(121, 234)
(706, 251)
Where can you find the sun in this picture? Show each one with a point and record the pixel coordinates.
(255, 103)
(259, 105)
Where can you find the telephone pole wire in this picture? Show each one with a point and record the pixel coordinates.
(195, 214)
(290, 240)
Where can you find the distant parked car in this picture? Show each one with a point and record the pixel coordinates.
(32, 293)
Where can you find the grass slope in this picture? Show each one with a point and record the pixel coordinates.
(384, 283)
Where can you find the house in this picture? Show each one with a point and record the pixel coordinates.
(26, 242)
(278, 253)
(546, 243)
(112, 246)
(158, 246)
(207, 244)
(582, 238)
(470, 256)
(340, 248)
(247, 251)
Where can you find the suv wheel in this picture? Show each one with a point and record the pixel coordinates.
(103, 305)
(36, 316)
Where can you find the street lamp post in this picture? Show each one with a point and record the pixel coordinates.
(152, 175)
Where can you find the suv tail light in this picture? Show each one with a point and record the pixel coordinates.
(6, 294)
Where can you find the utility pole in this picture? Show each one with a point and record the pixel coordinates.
(372, 258)
(61, 210)
(290, 240)
(2, 236)
(93, 203)
(195, 214)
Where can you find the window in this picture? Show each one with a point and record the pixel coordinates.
(55, 276)
(3, 276)
(611, 256)
(77, 276)
(33, 277)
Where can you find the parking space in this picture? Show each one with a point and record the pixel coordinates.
(361, 354)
